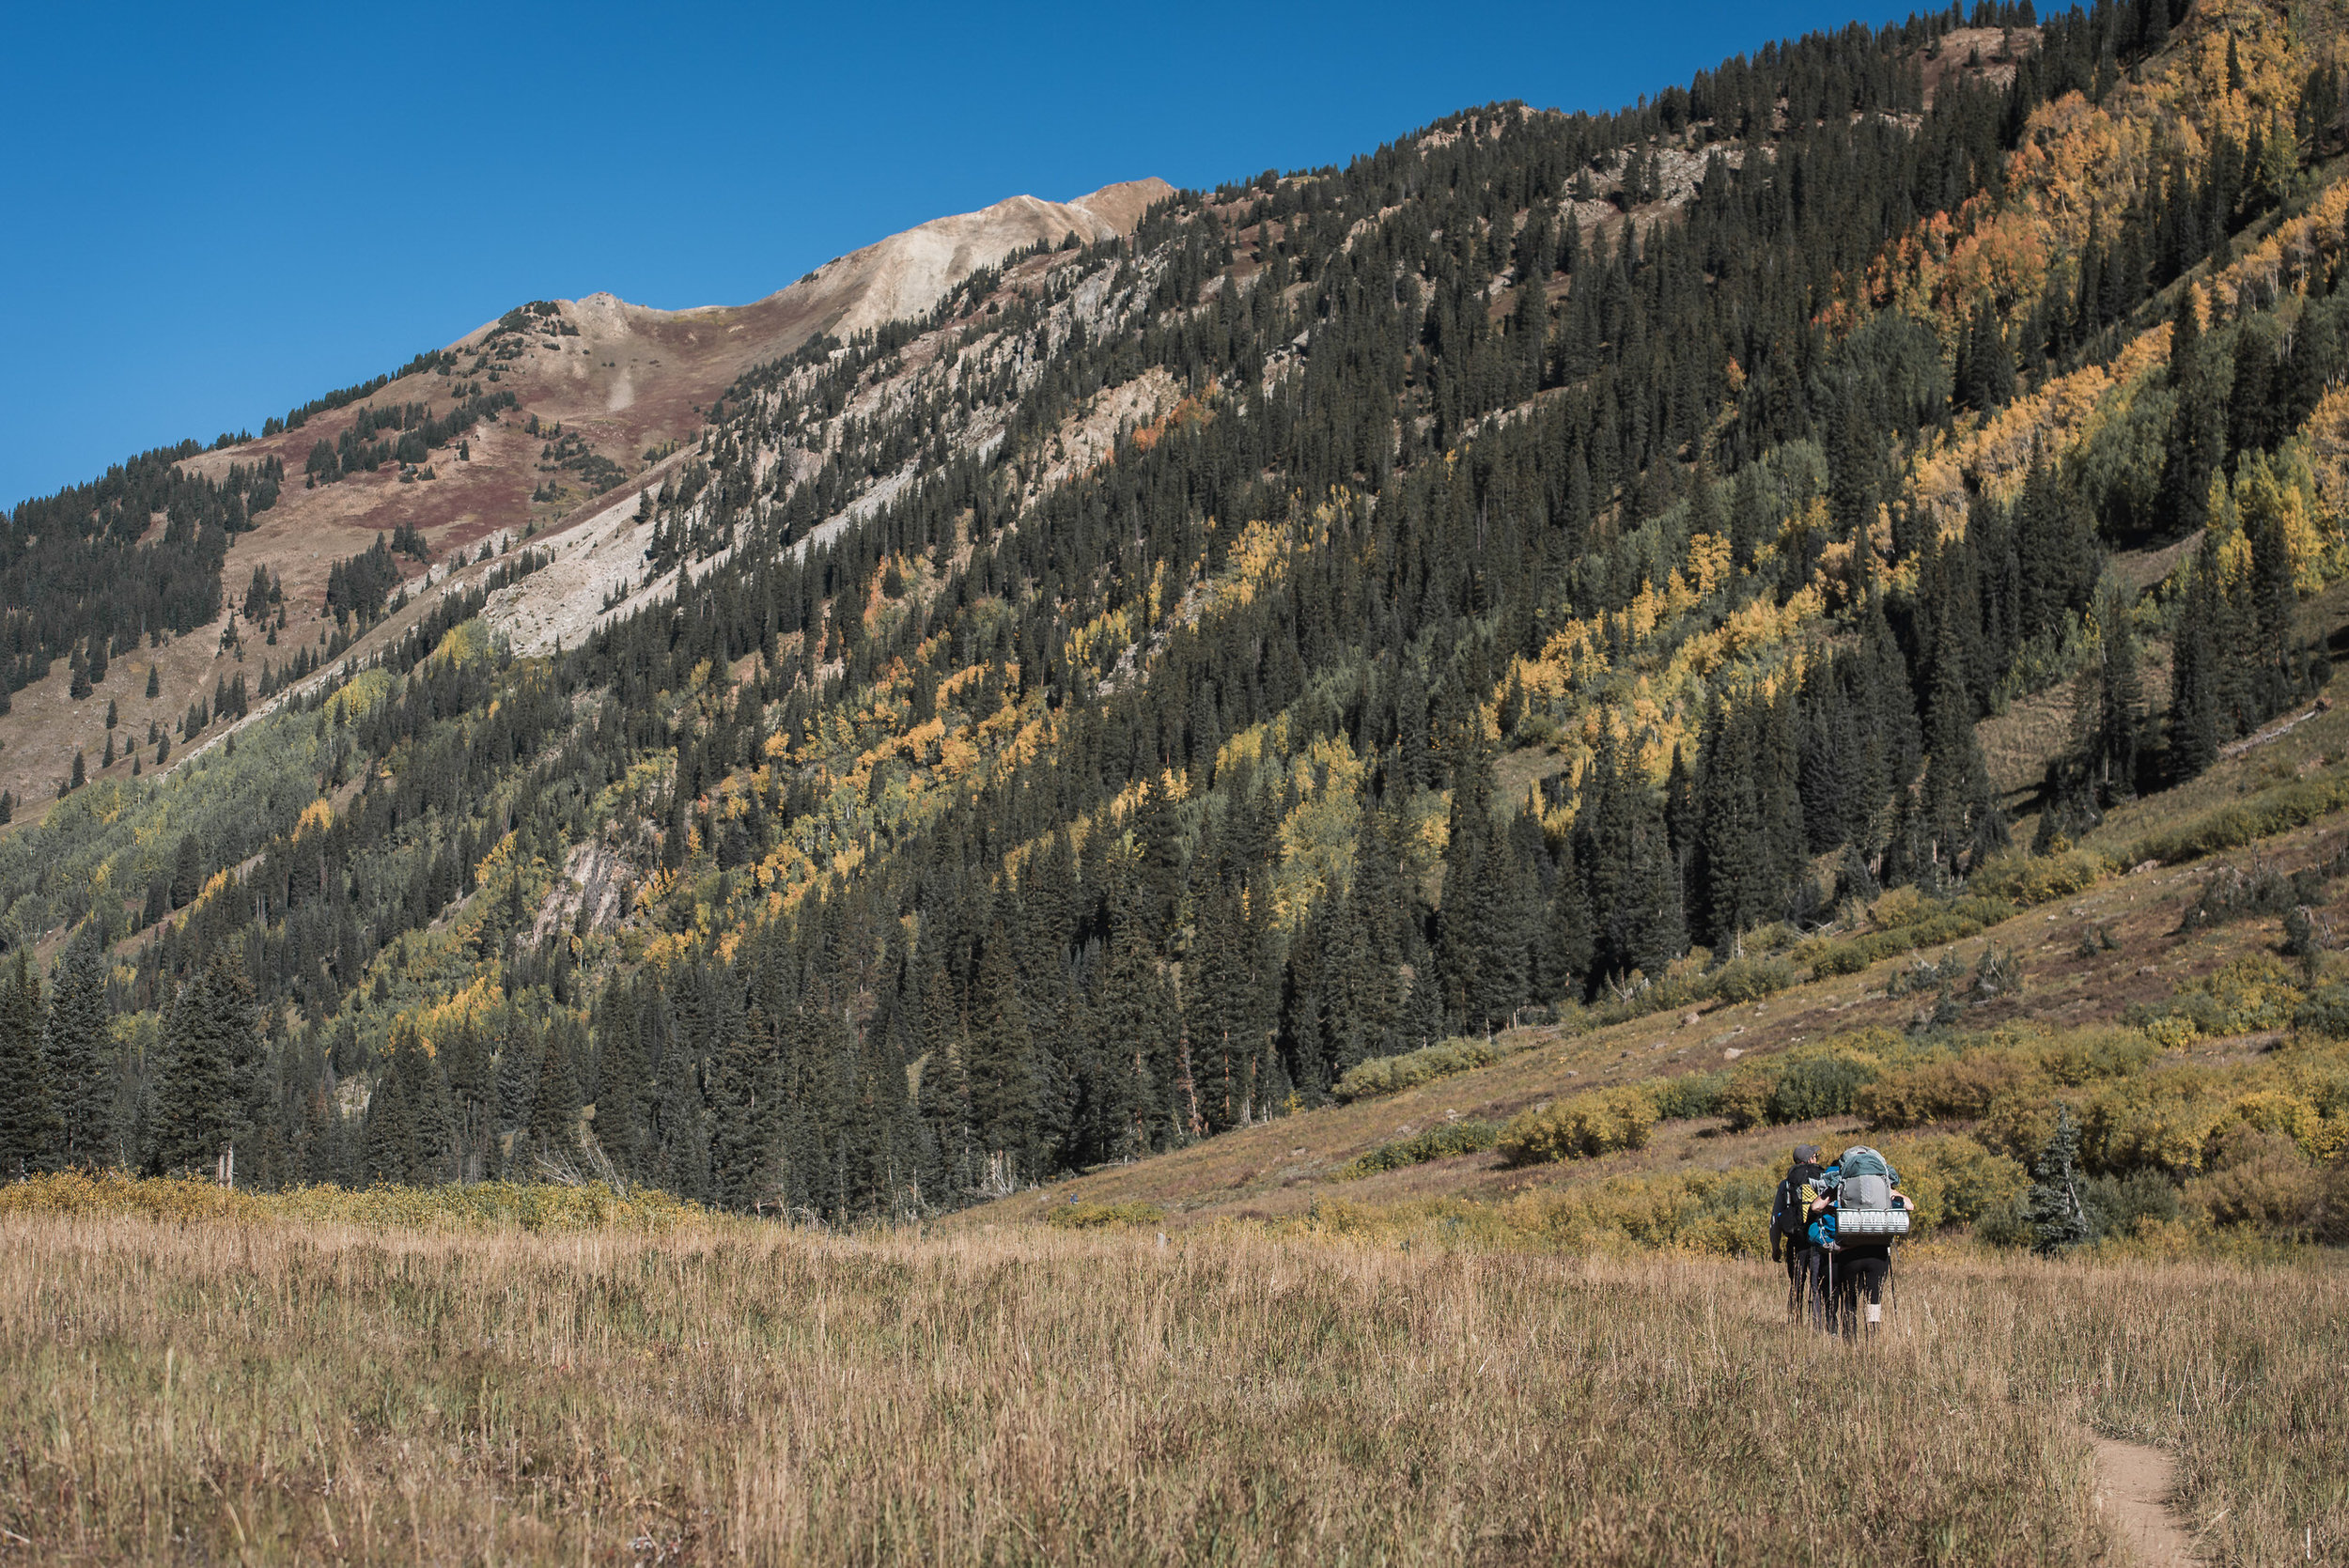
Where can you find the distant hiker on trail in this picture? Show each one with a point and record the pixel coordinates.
(1790, 1220)
(1858, 1207)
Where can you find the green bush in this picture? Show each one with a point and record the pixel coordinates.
(2117, 1206)
(2323, 1011)
(1744, 1101)
(1389, 1075)
(2262, 1181)
(1092, 1217)
(1946, 1090)
(2071, 1059)
(1926, 923)
(2232, 893)
(1583, 1126)
(1833, 958)
(2248, 996)
(1752, 979)
(1822, 1086)
(1689, 1094)
(2027, 879)
(2231, 826)
(1466, 1137)
(1954, 1180)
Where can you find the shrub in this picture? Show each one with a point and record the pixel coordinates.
(481, 1205)
(1959, 1090)
(1719, 1214)
(2027, 879)
(2073, 1060)
(1744, 1101)
(2246, 996)
(1094, 1216)
(1909, 921)
(1833, 958)
(1925, 976)
(2019, 1123)
(1743, 980)
(2323, 1011)
(2232, 893)
(2117, 1206)
(2180, 1120)
(2231, 827)
(1689, 1094)
(1468, 1137)
(2262, 1181)
(1389, 1075)
(1583, 1126)
(1822, 1086)
(1954, 1180)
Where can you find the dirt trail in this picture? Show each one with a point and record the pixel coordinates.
(2134, 1498)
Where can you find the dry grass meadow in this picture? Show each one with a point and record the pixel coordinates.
(274, 1388)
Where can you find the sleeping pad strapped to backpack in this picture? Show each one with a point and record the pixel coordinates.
(1864, 1210)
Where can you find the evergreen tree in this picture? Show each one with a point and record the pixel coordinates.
(1465, 917)
(1961, 818)
(1751, 520)
(31, 1133)
(622, 1083)
(78, 1049)
(1985, 366)
(680, 1132)
(1634, 886)
(2271, 647)
(1366, 990)
(1730, 870)
(1567, 934)
(472, 1076)
(2057, 556)
(433, 1154)
(389, 1154)
(555, 1108)
(2195, 696)
(744, 1116)
(196, 1106)
(2121, 700)
(1005, 1109)
(953, 1164)
(1226, 1016)
(2197, 427)
(187, 870)
(2057, 1219)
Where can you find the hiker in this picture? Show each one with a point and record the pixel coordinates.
(1789, 1232)
(1858, 1207)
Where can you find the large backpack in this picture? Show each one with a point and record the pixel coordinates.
(1863, 1198)
(1787, 1215)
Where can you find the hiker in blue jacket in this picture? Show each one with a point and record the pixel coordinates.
(1857, 1265)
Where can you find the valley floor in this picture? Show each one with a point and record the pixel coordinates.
(276, 1390)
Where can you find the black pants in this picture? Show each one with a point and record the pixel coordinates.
(1806, 1283)
(1855, 1274)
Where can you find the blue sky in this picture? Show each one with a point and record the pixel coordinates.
(213, 213)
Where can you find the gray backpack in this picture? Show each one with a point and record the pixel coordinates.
(1863, 1198)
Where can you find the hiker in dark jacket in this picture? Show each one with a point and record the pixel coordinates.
(1790, 1219)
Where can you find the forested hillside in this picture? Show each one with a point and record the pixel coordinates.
(1538, 561)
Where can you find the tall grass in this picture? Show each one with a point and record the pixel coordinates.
(268, 1389)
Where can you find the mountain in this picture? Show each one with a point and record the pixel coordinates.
(1070, 682)
(625, 384)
